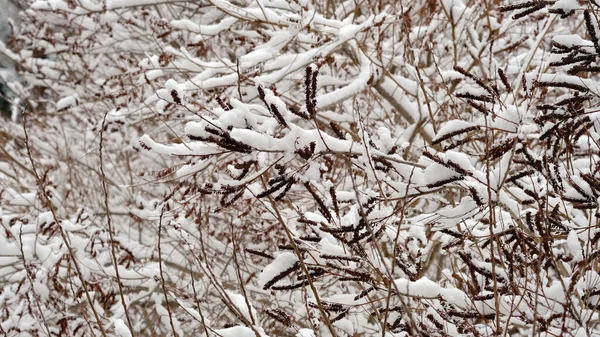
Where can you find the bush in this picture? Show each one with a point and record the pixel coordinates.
(302, 169)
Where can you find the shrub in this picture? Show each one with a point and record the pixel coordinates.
(302, 169)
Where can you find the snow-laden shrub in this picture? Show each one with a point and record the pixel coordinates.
(302, 169)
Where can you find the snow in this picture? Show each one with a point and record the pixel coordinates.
(391, 88)
(331, 98)
(427, 288)
(115, 4)
(473, 90)
(21, 199)
(121, 328)
(240, 303)
(409, 86)
(281, 263)
(330, 247)
(8, 53)
(171, 85)
(185, 24)
(187, 170)
(194, 313)
(508, 119)
(257, 56)
(50, 4)
(435, 173)
(572, 40)
(575, 246)
(255, 139)
(455, 8)
(151, 75)
(566, 5)
(313, 172)
(345, 325)
(239, 331)
(577, 81)
(277, 102)
(165, 65)
(67, 102)
(150, 62)
(41, 290)
(305, 333)
(417, 231)
(349, 32)
(459, 158)
(450, 75)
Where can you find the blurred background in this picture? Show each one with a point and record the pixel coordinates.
(9, 10)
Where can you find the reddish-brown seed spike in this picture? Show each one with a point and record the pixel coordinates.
(591, 181)
(519, 175)
(563, 85)
(278, 115)
(583, 130)
(590, 205)
(308, 88)
(314, 88)
(343, 229)
(589, 25)
(337, 130)
(437, 324)
(281, 275)
(455, 133)
(524, 84)
(467, 95)
(475, 196)
(492, 91)
(222, 104)
(575, 100)
(339, 258)
(311, 238)
(277, 179)
(514, 7)
(285, 190)
(291, 248)
(504, 79)
(272, 189)
(260, 253)
(280, 316)
(291, 286)
(444, 182)
(455, 167)
(320, 204)
(500, 149)
(338, 317)
(334, 202)
(579, 190)
(528, 11)
(364, 293)
(597, 235)
(261, 92)
(430, 155)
